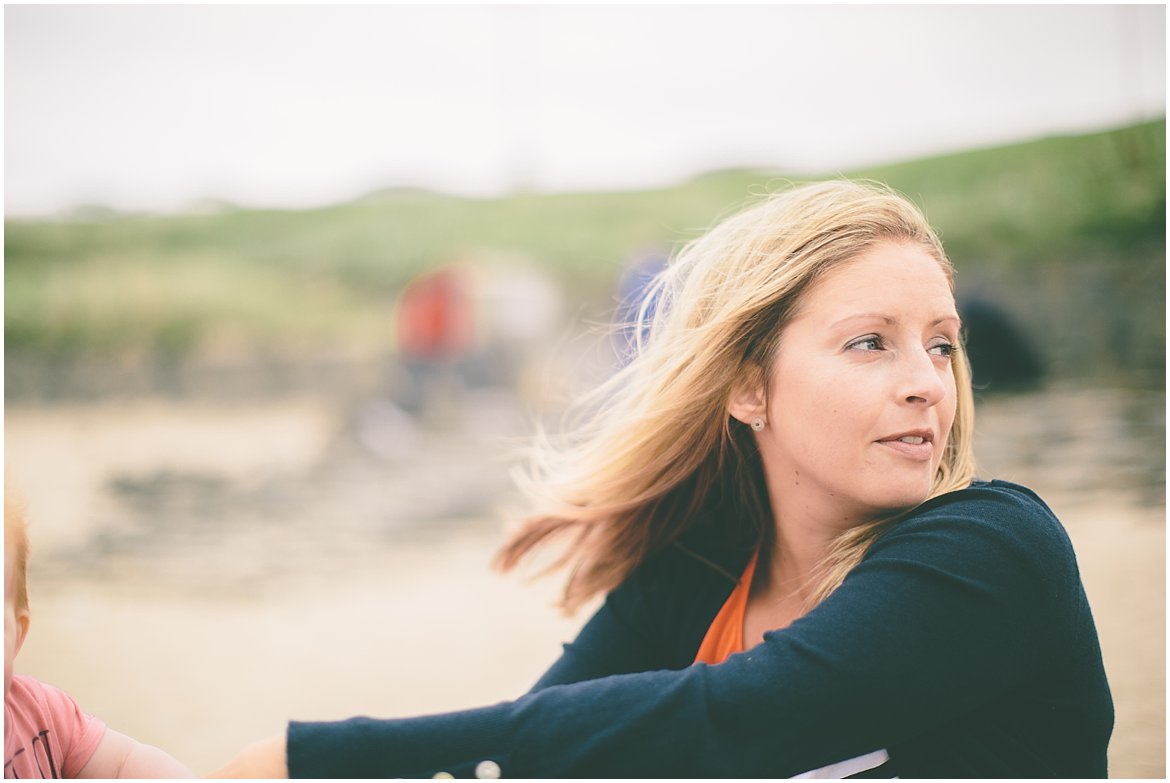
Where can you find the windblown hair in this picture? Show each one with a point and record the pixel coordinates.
(16, 543)
(654, 445)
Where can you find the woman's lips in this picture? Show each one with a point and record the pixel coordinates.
(916, 446)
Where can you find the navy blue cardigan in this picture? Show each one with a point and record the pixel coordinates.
(961, 646)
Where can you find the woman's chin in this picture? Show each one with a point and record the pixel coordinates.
(895, 500)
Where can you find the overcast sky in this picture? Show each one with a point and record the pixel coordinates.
(157, 107)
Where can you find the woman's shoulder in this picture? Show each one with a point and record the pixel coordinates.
(989, 517)
(706, 560)
(993, 504)
(712, 550)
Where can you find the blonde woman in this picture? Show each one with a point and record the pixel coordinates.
(802, 576)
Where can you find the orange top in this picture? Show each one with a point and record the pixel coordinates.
(725, 636)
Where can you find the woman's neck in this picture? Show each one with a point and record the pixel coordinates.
(802, 537)
(791, 562)
(785, 579)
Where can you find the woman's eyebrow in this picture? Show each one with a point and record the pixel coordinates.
(866, 316)
(891, 320)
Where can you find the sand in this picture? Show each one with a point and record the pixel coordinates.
(179, 644)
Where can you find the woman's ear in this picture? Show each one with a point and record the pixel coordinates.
(747, 399)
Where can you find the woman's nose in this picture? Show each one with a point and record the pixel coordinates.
(923, 381)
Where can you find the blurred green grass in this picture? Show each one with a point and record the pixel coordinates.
(110, 285)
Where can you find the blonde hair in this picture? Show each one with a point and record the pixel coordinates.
(654, 444)
(16, 542)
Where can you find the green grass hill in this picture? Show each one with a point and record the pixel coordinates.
(108, 285)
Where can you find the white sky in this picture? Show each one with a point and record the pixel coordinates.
(156, 107)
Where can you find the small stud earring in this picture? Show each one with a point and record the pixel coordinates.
(757, 424)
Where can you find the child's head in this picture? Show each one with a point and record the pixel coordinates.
(16, 614)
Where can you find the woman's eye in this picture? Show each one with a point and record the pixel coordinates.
(871, 343)
(942, 349)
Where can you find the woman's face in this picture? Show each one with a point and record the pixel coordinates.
(862, 393)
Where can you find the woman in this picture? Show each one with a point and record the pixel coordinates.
(802, 576)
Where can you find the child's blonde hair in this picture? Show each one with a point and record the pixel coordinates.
(16, 542)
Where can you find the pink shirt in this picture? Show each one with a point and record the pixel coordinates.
(46, 735)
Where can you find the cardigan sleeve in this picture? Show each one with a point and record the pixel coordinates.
(655, 619)
(952, 609)
(618, 639)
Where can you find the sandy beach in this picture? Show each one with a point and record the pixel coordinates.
(203, 573)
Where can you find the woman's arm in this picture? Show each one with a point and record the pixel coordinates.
(655, 619)
(949, 612)
(625, 635)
